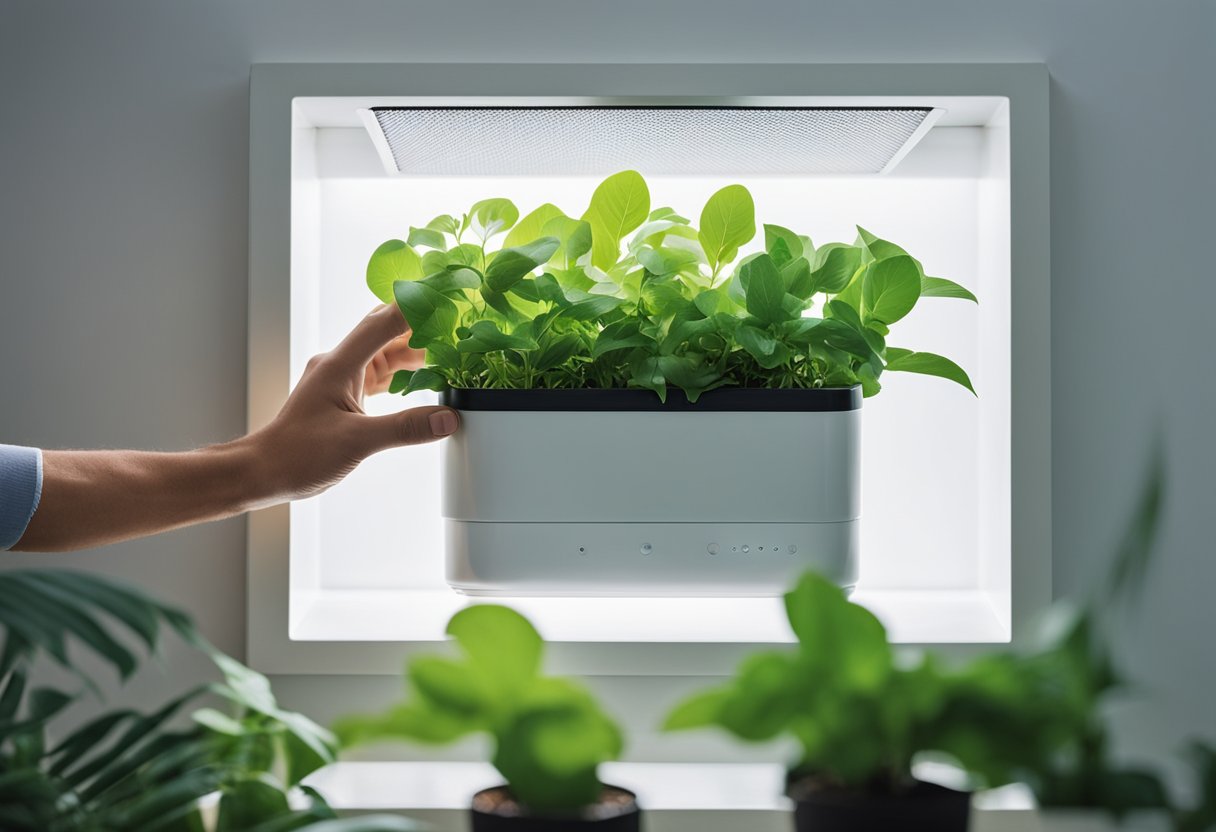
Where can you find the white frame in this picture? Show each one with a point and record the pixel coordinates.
(273, 88)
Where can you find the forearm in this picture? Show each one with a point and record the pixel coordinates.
(91, 498)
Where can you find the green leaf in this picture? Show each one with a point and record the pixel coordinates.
(556, 351)
(619, 336)
(665, 260)
(445, 224)
(426, 237)
(485, 336)
(838, 640)
(533, 225)
(834, 267)
(247, 803)
(762, 346)
(699, 710)
(940, 287)
(774, 234)
(890, 288)
(728, 221)
(450, 685)
(501, 644)
(575, 236)
(765, 290)
(874, 248)
(453, 281)
(591, 308)
(926, 363)
(408, 381)
(511, 264)
(618, 206)
(390, 262)
(431, 315)
(492, 216)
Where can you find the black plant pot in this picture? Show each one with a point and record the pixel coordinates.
(925, 807)
(495, 810)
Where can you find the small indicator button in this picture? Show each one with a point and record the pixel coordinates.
(793, 550)
(647, 548)
(746, 549)
(712, 548)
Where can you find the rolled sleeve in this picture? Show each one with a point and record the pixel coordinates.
(20, 491)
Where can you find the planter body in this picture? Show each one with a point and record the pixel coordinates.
(627, 821)
(1089, 820)
(929, 808)
(608, 492)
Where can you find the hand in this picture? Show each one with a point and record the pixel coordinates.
(322, 432)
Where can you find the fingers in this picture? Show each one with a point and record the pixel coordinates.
(368, 338)
(415, 426)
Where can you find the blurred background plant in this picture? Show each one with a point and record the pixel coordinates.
(237, 762)
(549, 733)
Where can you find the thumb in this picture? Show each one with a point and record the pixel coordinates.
(415, 426)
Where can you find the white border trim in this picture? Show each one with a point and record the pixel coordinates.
(272, 90)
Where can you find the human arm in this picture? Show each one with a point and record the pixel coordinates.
(90, 498)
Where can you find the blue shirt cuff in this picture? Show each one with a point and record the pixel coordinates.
(20, 491)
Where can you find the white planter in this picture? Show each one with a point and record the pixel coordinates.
(610, 492)
(1089, 820)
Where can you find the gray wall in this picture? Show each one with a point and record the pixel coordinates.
(123, 176)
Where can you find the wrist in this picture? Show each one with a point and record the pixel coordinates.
(251, 481)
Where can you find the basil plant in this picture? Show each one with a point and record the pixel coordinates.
(630, 296)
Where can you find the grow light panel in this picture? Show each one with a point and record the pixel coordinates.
(692, 140)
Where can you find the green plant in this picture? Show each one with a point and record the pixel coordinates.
(128, 770)
(580, 303)
(860, 716)
(549, 734)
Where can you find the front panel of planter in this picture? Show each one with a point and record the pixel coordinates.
(541, 500)
(734, 495)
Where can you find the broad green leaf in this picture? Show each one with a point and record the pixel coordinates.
(940, 287)
(415, 722)
(699, 710)
(890, 288)
(501, 643)
(689, 372)
(246, 803)
(450, 685)
(874, 248)
(728, 221)
(575, 236)
(511, 264)
(550, 756)
(492, 216)
(445, 224)
(533, 225)
(834, 267)
(591, 308)
(426, 237)
(665, 260)
(765, 290)
(619, 336)
(408, 381)
(219, 722)
(431, 315)
(796, 274)
(485, 336)
(769, 691)
(390, 262)
(453, 281)
(926, 363)
(619, 205)
(774, 234)
(555, 351)
(762, 346)
(836, 637)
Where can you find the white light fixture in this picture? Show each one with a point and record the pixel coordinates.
(674, 140)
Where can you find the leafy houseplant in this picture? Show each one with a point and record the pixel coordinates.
(859, 716)
(127, 770)
(593, 327)
(549, 734)
(579, 303)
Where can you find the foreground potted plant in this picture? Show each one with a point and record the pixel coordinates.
(860, 718)
(239, 769)
(634, 339)
(549, 734)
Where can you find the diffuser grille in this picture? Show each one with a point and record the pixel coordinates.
(448, 141)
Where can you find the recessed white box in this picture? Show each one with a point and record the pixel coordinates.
(349, 581)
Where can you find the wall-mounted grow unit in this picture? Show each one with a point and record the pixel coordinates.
(935, 502)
